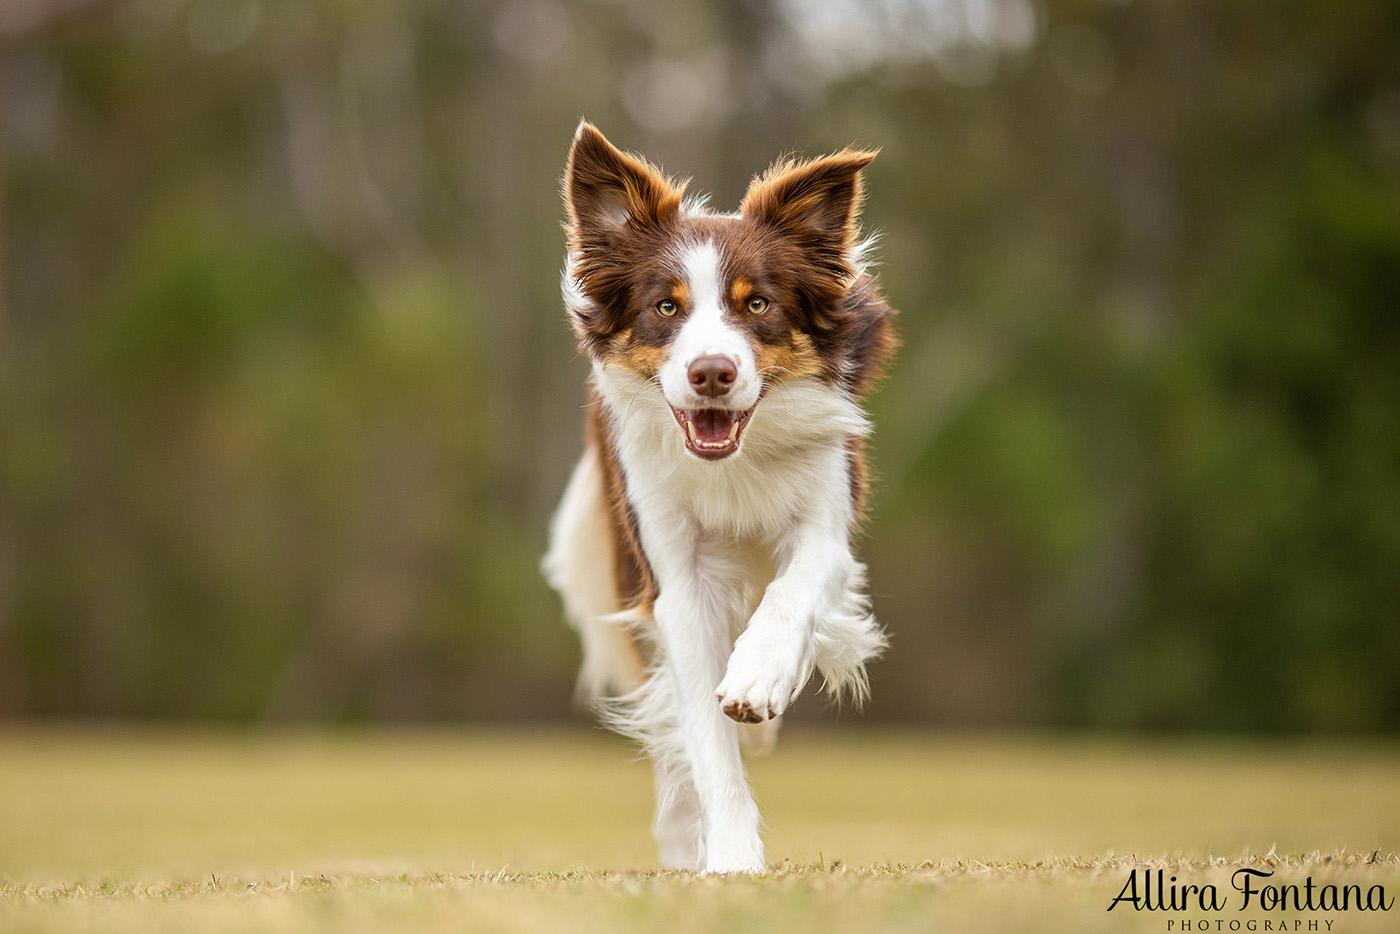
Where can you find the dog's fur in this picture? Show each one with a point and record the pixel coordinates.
(702, 547)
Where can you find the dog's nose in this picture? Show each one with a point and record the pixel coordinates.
(712, 375)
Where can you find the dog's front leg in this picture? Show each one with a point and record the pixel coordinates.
(693, 618)
(773, 657)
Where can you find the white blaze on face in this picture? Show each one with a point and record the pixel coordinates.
(706, 332)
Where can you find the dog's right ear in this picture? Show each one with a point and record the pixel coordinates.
(611, 195)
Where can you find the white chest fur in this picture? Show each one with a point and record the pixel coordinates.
(792, 469)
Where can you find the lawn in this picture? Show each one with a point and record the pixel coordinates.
(136, 830)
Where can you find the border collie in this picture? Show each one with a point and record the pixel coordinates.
(702, 546)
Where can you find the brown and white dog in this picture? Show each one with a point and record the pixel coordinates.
(702, 547)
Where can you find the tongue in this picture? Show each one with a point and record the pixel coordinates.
(712, 425)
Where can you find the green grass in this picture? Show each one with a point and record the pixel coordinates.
(405, 831)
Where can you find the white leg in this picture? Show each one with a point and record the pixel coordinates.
(693, 618)
(774, 656)
(677, 825)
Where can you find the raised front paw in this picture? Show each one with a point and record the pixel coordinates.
(760, 683)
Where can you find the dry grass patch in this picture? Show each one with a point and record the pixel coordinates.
(127, 832)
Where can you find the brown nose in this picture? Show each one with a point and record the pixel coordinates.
(712, 375)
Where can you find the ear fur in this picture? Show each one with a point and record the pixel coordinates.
(815, 205)
(818, 198)
(610, 194)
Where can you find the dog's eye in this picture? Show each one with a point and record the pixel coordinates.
(667, 308)
(758, 305)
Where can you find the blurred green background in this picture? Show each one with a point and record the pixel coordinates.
(287, 396)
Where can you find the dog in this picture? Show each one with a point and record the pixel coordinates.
(702, 547)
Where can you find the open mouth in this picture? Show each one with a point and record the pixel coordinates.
(712, 433)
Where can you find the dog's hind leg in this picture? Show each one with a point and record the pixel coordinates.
(677, 824)
(758, 739)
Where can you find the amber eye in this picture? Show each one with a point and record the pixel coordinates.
(758, 305)
(666, 308)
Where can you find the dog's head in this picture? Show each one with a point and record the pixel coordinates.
(714, 308)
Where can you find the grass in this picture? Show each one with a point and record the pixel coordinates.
(123, 830)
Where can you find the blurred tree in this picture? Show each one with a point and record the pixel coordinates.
(286, 397)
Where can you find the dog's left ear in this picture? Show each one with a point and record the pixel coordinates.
(817, 201)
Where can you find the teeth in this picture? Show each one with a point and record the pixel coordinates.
(730, 441)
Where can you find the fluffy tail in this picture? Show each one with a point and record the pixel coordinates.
(580, 566)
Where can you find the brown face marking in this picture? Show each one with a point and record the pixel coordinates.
(741, 289)
(680, 293)
(641, 358)
(795, 360)
(791, 243)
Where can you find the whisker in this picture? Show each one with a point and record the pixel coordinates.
(785, 393)
(637, 378)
